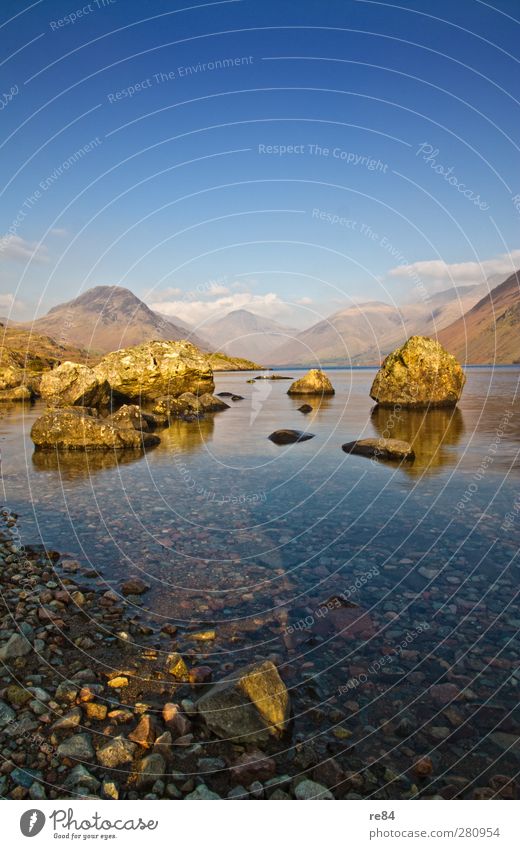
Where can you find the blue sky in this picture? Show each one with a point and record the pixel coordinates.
(286, 157)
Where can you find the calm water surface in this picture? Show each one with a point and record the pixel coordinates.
(238, 534)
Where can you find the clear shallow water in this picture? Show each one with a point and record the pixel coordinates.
(236, 533)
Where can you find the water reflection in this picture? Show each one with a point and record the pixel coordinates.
(186, 437)
(432, 434)
(74, 465)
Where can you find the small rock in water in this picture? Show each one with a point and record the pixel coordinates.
(176, 666)
(287, 436)
(202, 636)
(134, 586)
(423, 767)
(305, 408)
(315, 382)
(383, 449)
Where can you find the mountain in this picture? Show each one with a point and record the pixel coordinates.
(490, 331)
(189, 333)
(243, 334)
(362, 334)
(106, 318)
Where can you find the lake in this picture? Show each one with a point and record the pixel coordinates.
(387, 593)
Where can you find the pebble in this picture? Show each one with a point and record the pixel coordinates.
(202, 793)
(308, 789)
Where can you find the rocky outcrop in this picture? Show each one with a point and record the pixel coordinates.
(420, 374)
(73, 384)
(130, 416)
(211, 404)
(287, 436)
(188, 405)
(19, 393)
(72, 428)
(156, 369)
(315, 382)
(251, 705)
(10, 377)
(384, 449)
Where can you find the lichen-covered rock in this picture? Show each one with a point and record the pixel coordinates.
(74, 384)
(189, 405)
(156, 369)
(183, 406)
(420, 374)
(11, 376)
(315, 382)
(384, 449)
(129, 416)
(18, 393)
(71, 428)
(211, 404)
(251, 705)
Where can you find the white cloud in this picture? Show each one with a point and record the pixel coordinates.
(18, 249)
(459, 273)
(59, 231)
(198, 312)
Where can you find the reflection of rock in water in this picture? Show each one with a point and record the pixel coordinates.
(81, 464)
(319, 404)
(430, 433)
(184, 436)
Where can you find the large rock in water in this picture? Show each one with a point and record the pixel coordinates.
(156, 369)
(315, 382)
(72, 428)
(74, 384)
(251, 705)
(419, 374)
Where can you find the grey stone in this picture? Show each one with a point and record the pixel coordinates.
(308, 789)
(79, 747)
(202, 793)
(116, 752)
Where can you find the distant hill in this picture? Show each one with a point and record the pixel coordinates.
(242, 333)
(490, 331)
(106, 318)
(362, 334)
(35, 352)
(221, 362)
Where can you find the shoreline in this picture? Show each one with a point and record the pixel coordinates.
(92, 705)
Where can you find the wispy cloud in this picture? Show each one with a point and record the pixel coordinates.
(18, 249)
